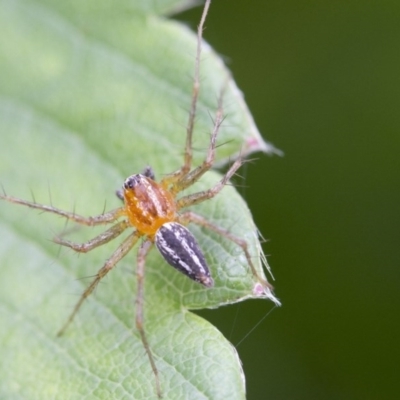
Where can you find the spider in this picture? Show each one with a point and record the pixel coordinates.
(155, 211)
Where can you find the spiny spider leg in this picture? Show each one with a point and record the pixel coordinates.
(101, 219)
(177, 175)
(118, 254)
(195, 94)
(199, 197)
(198, 172)
(141, 259)
(190, 216)
(97, 241)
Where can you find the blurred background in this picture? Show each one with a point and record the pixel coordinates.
(322, 80)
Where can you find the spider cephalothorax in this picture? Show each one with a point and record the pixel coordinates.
(148, 204)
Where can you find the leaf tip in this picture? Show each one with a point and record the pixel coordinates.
(262, 291)
(257, 143)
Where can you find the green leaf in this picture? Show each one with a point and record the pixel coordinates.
(91, 92)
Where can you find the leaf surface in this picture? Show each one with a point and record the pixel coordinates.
(90, 94)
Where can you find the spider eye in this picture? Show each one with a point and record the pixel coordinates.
(131, 182)
(179, 248)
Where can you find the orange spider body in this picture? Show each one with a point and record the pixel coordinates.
(148, 205)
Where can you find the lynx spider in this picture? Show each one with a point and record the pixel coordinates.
(153, 210)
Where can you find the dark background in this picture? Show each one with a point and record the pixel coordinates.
(322, 79)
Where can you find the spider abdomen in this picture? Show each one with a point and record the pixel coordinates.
(180, 249)
(147, 204)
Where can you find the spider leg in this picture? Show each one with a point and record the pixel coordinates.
(193, 176)
(190, 216)
(188, 155)
(118, 254)
(104, 218)
(97, 241)
(196, 198)
(143, 251)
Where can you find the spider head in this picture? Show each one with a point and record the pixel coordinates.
(132, 181)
